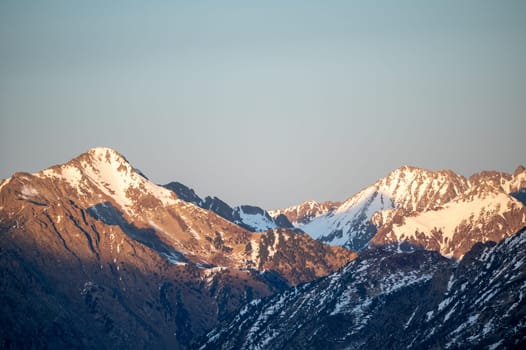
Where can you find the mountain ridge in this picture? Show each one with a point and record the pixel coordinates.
(365, 218)
(249, 217)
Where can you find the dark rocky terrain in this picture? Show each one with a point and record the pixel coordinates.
(388, 300)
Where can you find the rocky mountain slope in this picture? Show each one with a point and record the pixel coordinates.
(436, 210)
(94, 255)
(249, 217)
(390, 300)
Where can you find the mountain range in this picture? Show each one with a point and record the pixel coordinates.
(95, 255)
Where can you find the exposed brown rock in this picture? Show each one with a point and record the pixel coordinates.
(80, 268)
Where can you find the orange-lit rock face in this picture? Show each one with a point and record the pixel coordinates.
(92, 244)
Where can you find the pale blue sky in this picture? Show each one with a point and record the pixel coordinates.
(265, 102)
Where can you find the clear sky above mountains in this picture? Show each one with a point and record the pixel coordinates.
(265, 102)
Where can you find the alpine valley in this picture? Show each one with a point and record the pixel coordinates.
(95, 255)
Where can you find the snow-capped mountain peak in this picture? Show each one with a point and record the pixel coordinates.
(112, 174)
(107, 254)
(485, 211)
(408, 188)
(415, 189)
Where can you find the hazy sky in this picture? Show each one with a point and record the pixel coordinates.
(265, 102)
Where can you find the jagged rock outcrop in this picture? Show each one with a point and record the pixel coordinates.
(282, 221)
(184, 193)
